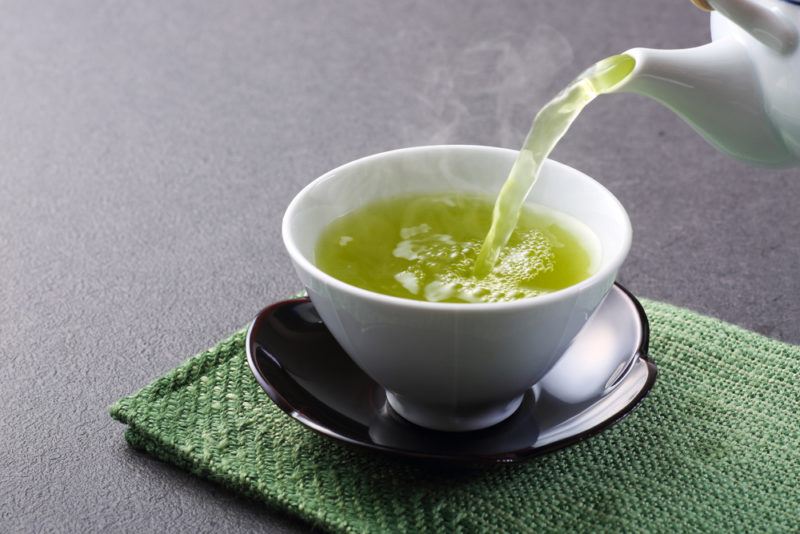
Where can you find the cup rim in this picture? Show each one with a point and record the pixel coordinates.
(299, 258)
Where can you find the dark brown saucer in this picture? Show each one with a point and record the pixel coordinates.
(601, 377)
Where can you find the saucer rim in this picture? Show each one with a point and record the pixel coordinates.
(505, 457)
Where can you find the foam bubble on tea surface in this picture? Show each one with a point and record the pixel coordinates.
(424, 247)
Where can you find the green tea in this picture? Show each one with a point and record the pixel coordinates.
(455, 248)
(549, 126)
(424, 247)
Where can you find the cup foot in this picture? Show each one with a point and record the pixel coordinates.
(452, 420)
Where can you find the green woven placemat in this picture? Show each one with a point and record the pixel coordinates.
(714, 447)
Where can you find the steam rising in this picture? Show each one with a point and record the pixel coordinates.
(488, 92)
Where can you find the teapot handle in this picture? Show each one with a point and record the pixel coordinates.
(703, 4)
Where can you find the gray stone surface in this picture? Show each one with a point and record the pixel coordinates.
(147, 150)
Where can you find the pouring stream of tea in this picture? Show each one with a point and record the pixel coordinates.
(549, 126)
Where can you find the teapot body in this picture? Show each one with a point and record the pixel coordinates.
(777, 70)
(741, 92)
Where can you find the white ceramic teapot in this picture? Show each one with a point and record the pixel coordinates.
(741, 92)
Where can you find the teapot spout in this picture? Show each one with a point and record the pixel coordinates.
(715, 89)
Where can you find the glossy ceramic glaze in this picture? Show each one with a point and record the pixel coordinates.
(601, 377)
(740, 91)
(453, 366)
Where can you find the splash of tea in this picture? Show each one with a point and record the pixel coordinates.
(549, 126)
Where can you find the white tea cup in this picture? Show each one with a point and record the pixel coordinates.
(452, 366)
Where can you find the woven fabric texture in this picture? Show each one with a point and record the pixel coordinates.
(714, 447)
